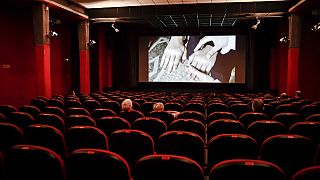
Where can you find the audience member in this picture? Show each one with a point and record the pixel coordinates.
(284, 96)
(158, 106)
(298, 94)
(257, 105)
(126, 105)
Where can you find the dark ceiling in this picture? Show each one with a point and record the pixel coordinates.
(192, 15)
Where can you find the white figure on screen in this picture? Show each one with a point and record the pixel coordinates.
(173, 53)
(203, 57)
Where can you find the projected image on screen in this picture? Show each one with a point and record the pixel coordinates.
(206, 59)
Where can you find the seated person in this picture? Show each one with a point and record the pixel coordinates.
(126, 105)
(128, 113)
(298, 94)
(284, 96)
(158, 106)
(257, 105)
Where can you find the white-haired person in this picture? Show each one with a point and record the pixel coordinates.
(126, 105)
(158, 106)
(128, 113)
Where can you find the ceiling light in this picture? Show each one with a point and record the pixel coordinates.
(52, 34)
(115, 29)
(255, 26)
(92, 42)
(316, 27)
(284, 39)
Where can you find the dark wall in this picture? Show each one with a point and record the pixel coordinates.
(18, 72)
(278, 59)
(309, 60)
(60, 59)
(17, 82)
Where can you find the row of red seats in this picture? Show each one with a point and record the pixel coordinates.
(38, 163)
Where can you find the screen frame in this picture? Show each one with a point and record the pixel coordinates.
(144, 83)
(199, 85)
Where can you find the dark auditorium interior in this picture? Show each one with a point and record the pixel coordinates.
(66, 67)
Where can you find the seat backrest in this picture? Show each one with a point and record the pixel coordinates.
(231, 146)
(20, 119)
(51, 120)
(7, 109)
(46, 136)
(309, 110)
(275, 104)
(111, 124)
(72, 103)
(313, 118)
(32, 110)
(286, 108)
(225, 126)
(167, 167)
(216, 107)
(84, 164)
(220, 115)
(39, 103)
(3, 118)
(269, 110)
(309, 173)
(77, 111)
(147, 107)
(194, 106)
(131, 116)
(289, 152)
(173, 106)
(2, 168)
(192, 115)
(239, 109)
(54, 110)
(113, 105)
(131, 144)
(190, 125)
(136, 106)
(79, 120)
(10, 135)
(182, 143)
(165, 116)
(307, 129)
(150, 125)
(247, 118)
(78, 137)
(230, 103)
(33, 162)
(99, 113)
(247, 169)
(261, 130)
(56, 103)
(288, 119)
(140, 101)
(91, 105)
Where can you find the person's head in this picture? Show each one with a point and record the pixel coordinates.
(126, 105)
(257, 105)
(158, 106)
(298, 94)
(268, 96)
(284, 96)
